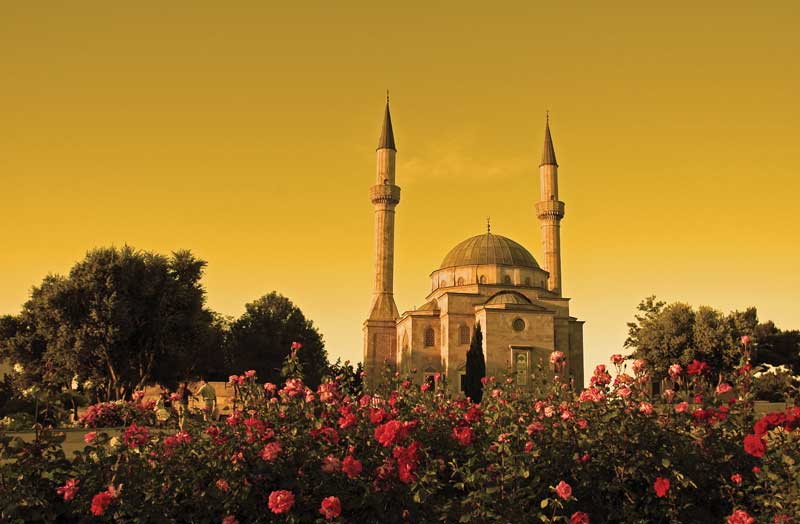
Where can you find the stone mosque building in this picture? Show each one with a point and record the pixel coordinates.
(487, 279)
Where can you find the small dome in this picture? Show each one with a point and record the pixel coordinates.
(508, 297)
(489, 249)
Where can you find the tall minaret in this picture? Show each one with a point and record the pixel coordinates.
(380, 334)
(550, 211)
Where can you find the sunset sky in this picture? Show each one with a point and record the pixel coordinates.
(246, 132)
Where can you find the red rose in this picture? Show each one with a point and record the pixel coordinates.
(740, 517)
(579, 517)
(463, 435)
(331, 507)
(696, 367)
(281, 501)
(564, 490)
(271, 451)
(69, 490)
(661, 485)
(101, 502)
(230, 519)
(736, 479)
(296, 345)
(755, 445)
(351, 467)
(391, 433)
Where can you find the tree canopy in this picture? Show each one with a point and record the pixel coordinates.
(262, 337)
(664, 334)
(121, 319)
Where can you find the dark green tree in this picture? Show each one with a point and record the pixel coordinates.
(476, 366)
(121, 319)
(262, 338)
(777, 347)
(664, 334)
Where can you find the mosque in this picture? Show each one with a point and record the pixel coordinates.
(487, 279)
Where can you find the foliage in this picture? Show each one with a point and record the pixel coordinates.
(777, 347)
(409, 454)
(120, 320)
(261, 338)
(775, 383)
(119, 413)
(476, 366)
(664, 334)
(349, 379)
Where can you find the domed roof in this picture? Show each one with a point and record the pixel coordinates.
(489, 249)
(508, 297)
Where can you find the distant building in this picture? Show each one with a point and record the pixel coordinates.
(487, 279)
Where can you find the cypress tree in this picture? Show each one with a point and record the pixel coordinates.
(476, 366)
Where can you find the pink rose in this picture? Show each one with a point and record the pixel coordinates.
(723, 388)
(740, 516)
(331, 508)
(564, 490)
(579, 517)
(89, 437)
(617, 359)
(69, 490)
(281, 501)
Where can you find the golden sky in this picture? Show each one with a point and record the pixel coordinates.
(246, 132)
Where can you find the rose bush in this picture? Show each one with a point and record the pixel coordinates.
(611, 453)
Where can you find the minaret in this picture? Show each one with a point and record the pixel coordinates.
(550, 211)
(380, 334)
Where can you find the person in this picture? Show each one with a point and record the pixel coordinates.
(209, 396)
(184, 394)
(162, 404)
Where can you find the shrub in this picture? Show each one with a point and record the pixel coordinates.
(414, 454)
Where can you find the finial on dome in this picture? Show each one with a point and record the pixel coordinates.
(488, 225)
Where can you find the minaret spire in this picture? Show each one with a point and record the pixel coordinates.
(550, 211)
(386, 141)
(380, 331)
(549, 152)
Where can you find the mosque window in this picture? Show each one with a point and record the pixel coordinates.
(507, 279)
(463, 334)
(482, 280)
(528, 281)
(518, 324)
(460, 281)
(443, 283)
(430, 337)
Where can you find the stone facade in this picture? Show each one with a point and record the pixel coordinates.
(487, 279)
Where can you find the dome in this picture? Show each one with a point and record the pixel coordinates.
(489, 249)
(508, 297)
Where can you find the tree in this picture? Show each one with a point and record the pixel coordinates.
(664, 334)
(121, 319)
(777, 347)
(262, 337)
(476, 366)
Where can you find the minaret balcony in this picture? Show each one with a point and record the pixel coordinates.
(550, 209)
(383, 194)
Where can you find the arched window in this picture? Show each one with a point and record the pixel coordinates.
(443, 283)
(430, 337)
(506, 279)
(527, 281)
(460, 281)
(463, 334)
(482, 280)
